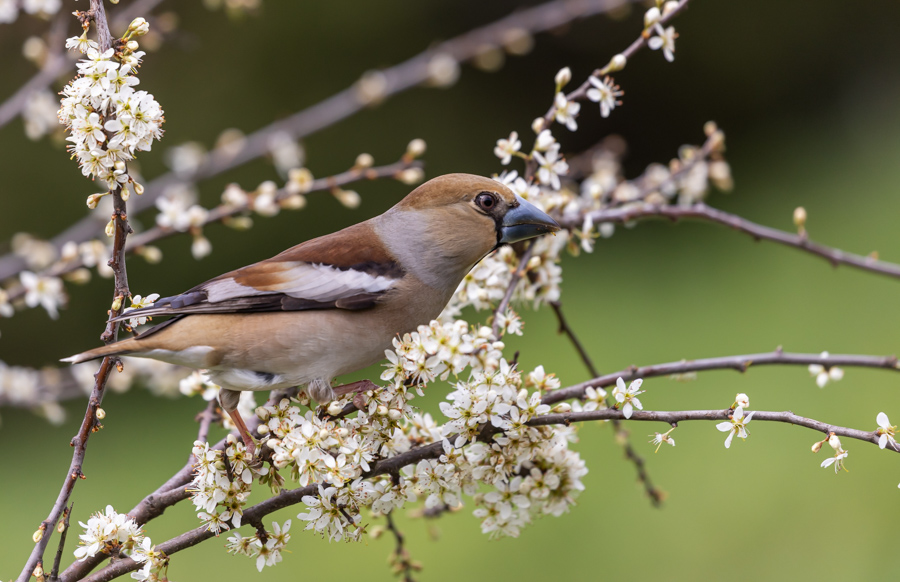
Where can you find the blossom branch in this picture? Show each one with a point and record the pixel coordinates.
(92, 416)
(739, 363)
(513, 282)
(391, 81)
(60, 61)
(656, 495)
(292, 497)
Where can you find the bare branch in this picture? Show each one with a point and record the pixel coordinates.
(739, 363)
(701, 211)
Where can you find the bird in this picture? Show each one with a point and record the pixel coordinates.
(332, 305)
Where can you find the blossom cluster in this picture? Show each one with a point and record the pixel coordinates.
(117, 534)
(108, 120)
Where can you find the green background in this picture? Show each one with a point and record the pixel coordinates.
(806, 93)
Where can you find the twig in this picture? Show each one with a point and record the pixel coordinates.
(656, 496)
(402, 562)
(406, 75)
(739, 363)
(580, 94)
(510, 289)
(292, 497)
(67, 513)
(703, 212)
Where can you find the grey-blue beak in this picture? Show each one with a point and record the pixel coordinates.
(525, 221)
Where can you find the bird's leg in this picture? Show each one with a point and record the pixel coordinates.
(359, 387)
(229, 401)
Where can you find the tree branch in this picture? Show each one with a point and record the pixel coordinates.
(739, 363)
(291, 497)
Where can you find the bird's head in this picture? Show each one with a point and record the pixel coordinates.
(456, 219)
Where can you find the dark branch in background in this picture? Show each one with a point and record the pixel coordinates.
(406, 75)
(656, 496)
(291, 497)
(224, 211)
(739, 363)
(91, 422)
(401, 561)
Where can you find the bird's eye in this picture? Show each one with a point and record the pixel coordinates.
(486, 201)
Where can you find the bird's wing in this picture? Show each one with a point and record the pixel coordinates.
(349, 269)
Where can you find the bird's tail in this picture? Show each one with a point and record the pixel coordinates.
(121, 348)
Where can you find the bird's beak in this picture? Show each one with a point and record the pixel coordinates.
(525, 221)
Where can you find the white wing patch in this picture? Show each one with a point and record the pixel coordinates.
(315, 282)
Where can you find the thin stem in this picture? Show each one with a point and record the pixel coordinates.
(656, 496)
(513, 282)
(401, 559)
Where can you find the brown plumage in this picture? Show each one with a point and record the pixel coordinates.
(331, 305)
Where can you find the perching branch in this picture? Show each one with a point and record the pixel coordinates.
(293, 496)
(406, 75)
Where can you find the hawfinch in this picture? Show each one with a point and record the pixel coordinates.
(331, 305)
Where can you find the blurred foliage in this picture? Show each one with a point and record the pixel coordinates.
(806, 94)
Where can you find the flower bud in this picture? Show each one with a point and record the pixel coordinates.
(101, 414)
(151, 254)
(139, 26)
(323, 434)
(651, 17)
(416, 148)
(342, 432)
(364, 161)
(800, 217)
(93, 199)
(334, 408)
(138, 187)
(617, 63)
(382, 410)
(38, 535)
(117, 303)
(294, 202)
(394, 414)
(263, 429)
(563, 77)
(817, 446)
(132, 45)
(562, 408)
(537, 125)
(411, 176)
(110, 229)
(348, 198)
(742, 400)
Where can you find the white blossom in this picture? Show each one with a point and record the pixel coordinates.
(507, 148)
(605, 93)
(886, 431)
(45, 291)
(566, 111)
(665, 40)
(736, 426)
(627, 397)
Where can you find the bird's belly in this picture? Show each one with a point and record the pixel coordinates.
(308, 346)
